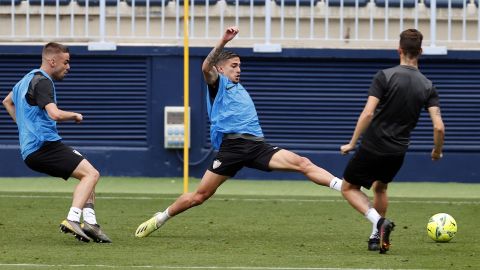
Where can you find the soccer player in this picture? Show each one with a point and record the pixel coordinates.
(32, 104)
(236, 132)
(395, 100)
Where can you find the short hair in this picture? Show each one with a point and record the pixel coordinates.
(411, 42)
(54, 48)
(225, 55)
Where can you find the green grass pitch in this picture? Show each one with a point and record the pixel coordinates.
(258, 225)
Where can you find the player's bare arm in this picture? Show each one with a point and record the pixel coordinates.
(59, 115)
(438, 132)
(209, 70)
(9, 105)
(363, 122)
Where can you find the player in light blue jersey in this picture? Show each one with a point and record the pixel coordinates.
(236, 133)
(32, 104)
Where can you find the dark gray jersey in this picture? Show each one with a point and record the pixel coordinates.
(403, 92)
(40, 91)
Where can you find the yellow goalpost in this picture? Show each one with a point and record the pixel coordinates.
(186, 113)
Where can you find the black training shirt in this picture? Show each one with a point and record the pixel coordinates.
(40, 91)
(213, 89)
(403, 92)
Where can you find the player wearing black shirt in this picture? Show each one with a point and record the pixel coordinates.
(40, 91)
(395, 99)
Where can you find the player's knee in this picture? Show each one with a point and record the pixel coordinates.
(305, 164)
(199, 198)
(94, 175)
(379, 188)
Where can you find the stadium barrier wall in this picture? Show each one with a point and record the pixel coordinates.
(310, 24)
(135, 147)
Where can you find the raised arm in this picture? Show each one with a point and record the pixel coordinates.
(438, 132)
(209, 70)
(363, 122)
(9, 105)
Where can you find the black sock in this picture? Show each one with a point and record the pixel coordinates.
(89, 205)
(379, 223)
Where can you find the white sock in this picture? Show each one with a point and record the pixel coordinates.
(336, 184)
(374, 231)
(89, 216)
(162, 217)
(373, 216)
(74, 214)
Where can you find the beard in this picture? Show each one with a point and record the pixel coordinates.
(58, 76)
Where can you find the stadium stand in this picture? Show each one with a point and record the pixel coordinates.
(395, 3)
(144, 2)
(94, 3)
(444, 3)
(49, 2)
(289, 25)
(347, 3)
(9, 2)
(245, 2)
(199, 2)
(294, 2)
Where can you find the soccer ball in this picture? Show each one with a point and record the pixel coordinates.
(441, 227)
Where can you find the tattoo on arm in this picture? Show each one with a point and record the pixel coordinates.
(212, 56)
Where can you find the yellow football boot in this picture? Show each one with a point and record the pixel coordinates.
(73, 227)
(147, 227)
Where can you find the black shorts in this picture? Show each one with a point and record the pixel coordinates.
(55, 159)
(234, 154)
(366, 167)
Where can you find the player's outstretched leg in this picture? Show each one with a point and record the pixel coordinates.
(385, 227)
(207, 187)
(73, 227)
(95, 233)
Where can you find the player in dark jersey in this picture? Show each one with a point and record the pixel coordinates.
(32, 104)
(395, 100)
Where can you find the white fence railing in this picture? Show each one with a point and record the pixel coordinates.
(296, 23)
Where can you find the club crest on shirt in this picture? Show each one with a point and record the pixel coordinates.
(216, 163)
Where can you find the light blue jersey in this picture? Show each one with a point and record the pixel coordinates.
(34, 125)
(232, 111)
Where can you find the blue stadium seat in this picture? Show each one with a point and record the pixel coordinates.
(9, 2)
(294, 2)
(347, 3)
(144, 2)
(246, 2)
(199, 2)
(49, 2)
(395, 3)
(92, 3)
(444, 3)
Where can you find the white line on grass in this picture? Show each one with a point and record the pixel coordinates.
(277, 199)
(233, 199)
(185, 267)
